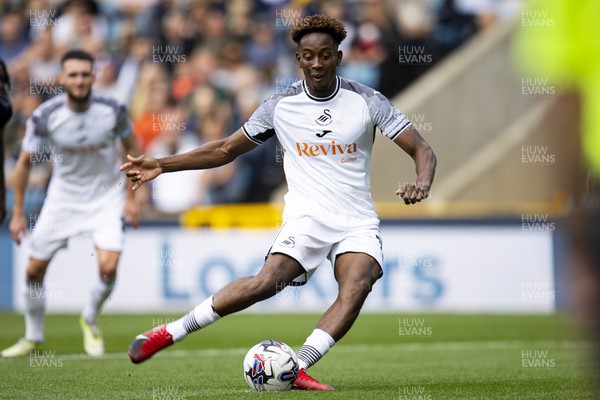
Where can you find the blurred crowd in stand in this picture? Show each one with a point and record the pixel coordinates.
(193, 71)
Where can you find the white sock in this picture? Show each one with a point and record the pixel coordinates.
(35, 308)
(316, 346)
(200, 317)
(101, 289)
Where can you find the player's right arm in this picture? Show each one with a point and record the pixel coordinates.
(35, 139)
(210, 155)
(18, 224)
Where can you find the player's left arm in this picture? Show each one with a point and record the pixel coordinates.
(132, 205)
(425, 162)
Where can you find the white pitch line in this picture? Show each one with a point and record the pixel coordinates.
(400, 347)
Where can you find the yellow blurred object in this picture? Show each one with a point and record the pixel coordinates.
(560, 40)
(233, 216)
(261, 216)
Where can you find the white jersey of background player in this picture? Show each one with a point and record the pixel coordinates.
(81, 135)
(83, 149)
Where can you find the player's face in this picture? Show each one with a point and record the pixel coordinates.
(77, 77)
(319, 57)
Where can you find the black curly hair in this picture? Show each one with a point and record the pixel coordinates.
(319, 23)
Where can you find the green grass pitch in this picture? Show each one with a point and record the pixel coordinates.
(385, 356)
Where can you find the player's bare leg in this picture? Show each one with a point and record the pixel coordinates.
(35, 309)
(242, 293)
(235, 296)
(108, 261)
(356, 273)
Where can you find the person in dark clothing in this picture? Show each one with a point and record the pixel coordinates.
(5, 115)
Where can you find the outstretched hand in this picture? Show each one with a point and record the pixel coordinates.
(141, 169)
(412, 193)
(17, 227)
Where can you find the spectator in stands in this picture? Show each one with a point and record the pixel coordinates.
(262, 51)
(454, 26)
(42, 59)
(228, 183)
(378, 40)
(148, 19)
(234, 73)
(137, 52)
(264, 163)
(213, 31)
(13, 36)
(206, 96)
(41, 15)
(150, 98)
(107, 74)
(174, 44)
(182, 82)
(239, 18)
(80, 23)
(173, 194)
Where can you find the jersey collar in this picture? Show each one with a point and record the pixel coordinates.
(331, 96)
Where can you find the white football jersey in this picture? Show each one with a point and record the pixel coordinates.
(83, 148)
(327, 144)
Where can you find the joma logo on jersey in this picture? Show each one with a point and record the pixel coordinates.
(315, 150)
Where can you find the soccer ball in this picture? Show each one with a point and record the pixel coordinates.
(270, 366)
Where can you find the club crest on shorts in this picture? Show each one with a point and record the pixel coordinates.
(289, 242)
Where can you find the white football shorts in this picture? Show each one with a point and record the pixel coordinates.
(57, 224)
(310, 242)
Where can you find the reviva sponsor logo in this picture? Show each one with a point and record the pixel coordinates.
(316, 150)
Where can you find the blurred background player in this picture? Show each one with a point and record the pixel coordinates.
(5, 114)
(568, 55)
(326, 125)
(79, 133)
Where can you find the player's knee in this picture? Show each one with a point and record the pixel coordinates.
(363, 288)
(35, 274)
(109, 278)
(108, 274)
(36, 271)
(108, 269)
(357, 292)
(108, 262)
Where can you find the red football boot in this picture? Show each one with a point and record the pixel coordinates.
(307, 382)
(145, 345)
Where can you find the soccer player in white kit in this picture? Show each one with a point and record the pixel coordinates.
(81, 134)
(326, 125)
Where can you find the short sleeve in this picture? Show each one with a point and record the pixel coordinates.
(36, 137)
(123, 126)
(259, 128)
(387, 117)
